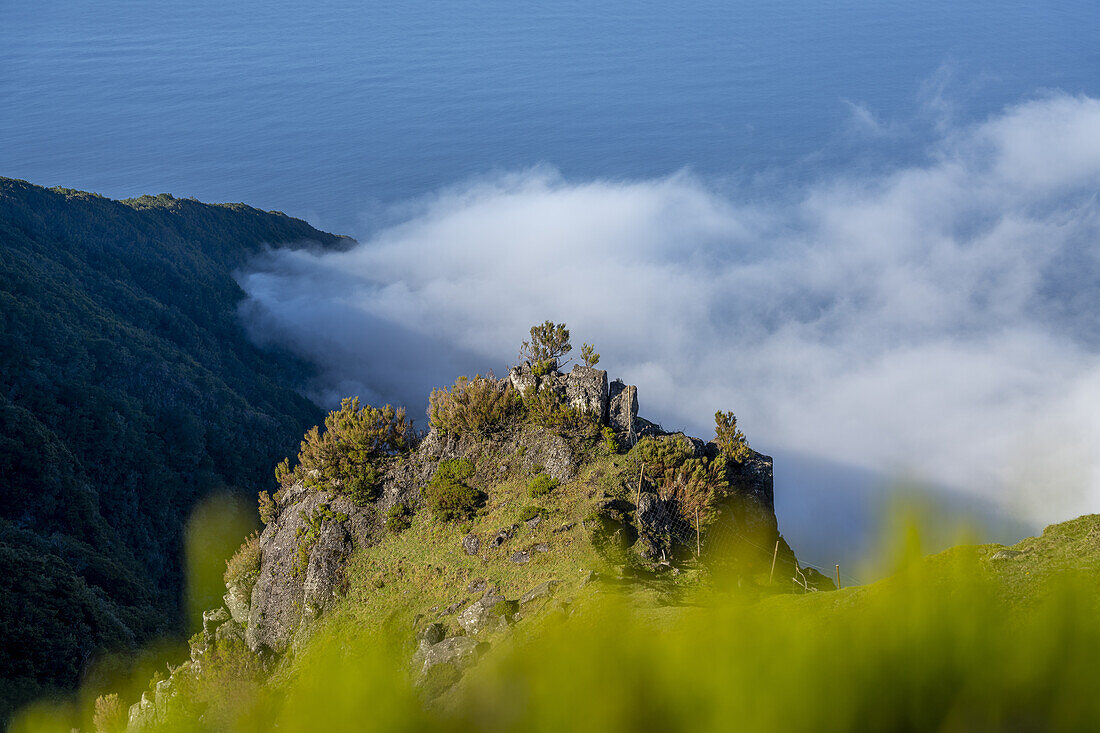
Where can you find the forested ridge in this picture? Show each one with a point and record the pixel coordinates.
(128, 391)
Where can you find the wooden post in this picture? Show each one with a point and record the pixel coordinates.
(775, 554)
(838, 577)
(698, 542)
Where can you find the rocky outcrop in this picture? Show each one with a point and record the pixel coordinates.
(586, 389)
(623, 412)
(303, 552)
(656, 522)
(479, 617)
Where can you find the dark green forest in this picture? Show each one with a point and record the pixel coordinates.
(128, 392)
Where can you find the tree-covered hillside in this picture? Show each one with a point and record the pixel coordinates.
(128, 391)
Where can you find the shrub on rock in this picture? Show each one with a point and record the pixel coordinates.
(448, 495)
(541, 485)
(242, 570)
(479, 406)
(398, 518)
(350, 456)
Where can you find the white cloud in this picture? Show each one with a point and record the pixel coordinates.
(938, 320)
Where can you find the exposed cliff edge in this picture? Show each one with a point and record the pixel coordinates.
(595, 495)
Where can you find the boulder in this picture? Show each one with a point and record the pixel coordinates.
(471, 544)
(142, 715)
(623, 412)
(586, 389)
(523, 378)
(751, 504)
(477, 585)
(162, 697)
(503, 536)
(451, 656)
(212, 619)
(539, 591)
(288, 589)
(432, 634)
(656, 522)
(1005, 554)
(238, 601)
(479, 617)
(521, 558)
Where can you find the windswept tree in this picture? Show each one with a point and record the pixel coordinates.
(549, 343)
(731, 441)
(588, 353)
(350, 455)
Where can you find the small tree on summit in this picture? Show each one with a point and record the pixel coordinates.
(730, 440)
(549, 342)
(588, 353)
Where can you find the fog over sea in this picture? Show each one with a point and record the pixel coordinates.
(870, 229)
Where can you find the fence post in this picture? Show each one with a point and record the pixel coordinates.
(775, 554)
(838, 576)
(698, 542)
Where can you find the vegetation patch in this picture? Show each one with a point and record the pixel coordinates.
(243, 569)
(530, 512)
(350, 456)
(448, 495)
(505, 609)
(398, 518)
(479, 406)
(310, 532)
(541, 485)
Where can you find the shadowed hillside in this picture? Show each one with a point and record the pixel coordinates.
(128, 391)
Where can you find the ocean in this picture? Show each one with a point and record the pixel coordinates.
(338, 111)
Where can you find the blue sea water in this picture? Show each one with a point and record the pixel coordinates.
(332, 110)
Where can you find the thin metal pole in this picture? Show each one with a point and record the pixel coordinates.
(775, 554)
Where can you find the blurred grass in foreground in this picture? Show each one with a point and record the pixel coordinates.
(952, 642)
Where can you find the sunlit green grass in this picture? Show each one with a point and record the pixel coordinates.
(956, 641)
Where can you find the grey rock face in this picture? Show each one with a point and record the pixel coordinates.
(238, 603)
(539, 591)
(284, 589)
(212, 619)
(460, 652)
(656, 524)
(1005, 554)
(325, 569)
(142, 714)
(752, 503)
(471, 544)
(503, 536)
(623, 412)
(479, 617)
(586, 389)
(162, 697)
(523, 378)
(432, 633)
(229, 630)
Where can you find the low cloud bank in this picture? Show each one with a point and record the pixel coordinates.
(939, 322)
